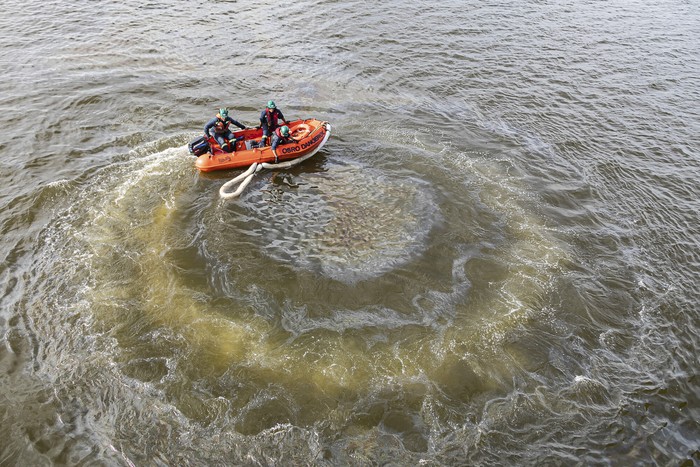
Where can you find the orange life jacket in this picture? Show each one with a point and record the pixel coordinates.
(221, 125)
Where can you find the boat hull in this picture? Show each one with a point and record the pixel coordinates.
(311, 135)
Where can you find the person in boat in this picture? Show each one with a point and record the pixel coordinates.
(281, 136)
(218, 128)
(270, 119)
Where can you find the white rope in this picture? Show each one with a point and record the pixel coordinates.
(246, 177)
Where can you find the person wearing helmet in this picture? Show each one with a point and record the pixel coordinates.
(281, 136)
(218, 128)
(270, 119)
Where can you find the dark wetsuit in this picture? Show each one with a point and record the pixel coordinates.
(221, 132)
(269, 120)
(278, 138)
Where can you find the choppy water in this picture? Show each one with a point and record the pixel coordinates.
(493, 260)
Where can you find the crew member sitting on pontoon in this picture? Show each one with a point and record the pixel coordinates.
(281, 136)
(218, 128)
(270, 119)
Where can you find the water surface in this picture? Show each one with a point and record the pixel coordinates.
(491, 261)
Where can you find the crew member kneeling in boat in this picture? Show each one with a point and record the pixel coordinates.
(270, 119)
(281, 136)
(218, 129)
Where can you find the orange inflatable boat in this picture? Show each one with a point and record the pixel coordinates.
(310, 136)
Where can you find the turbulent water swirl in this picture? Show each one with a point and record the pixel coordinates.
(343, 223)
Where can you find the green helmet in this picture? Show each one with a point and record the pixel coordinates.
(284, 130)
(223, 113)
(271, 104)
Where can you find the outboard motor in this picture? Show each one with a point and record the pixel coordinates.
(199, 146)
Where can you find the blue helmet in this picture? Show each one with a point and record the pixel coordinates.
(271, 104)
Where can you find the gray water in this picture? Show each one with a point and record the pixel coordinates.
(493, 260)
